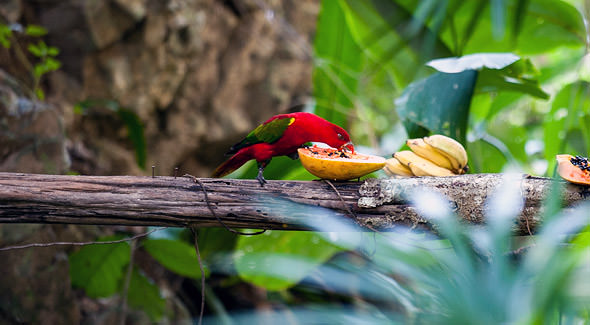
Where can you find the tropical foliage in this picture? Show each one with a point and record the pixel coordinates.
(509, 79)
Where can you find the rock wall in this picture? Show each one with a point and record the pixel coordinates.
(199, 75)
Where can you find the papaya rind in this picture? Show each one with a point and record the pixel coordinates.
(336, 168)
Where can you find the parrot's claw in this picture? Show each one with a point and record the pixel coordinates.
(260, 177)
(293, 155)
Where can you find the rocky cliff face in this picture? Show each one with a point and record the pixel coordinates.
(199, 75)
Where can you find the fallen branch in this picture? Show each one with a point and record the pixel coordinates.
(179, 202)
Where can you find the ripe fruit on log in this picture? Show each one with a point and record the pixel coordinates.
(424, 150)
(330, 163)
(436, 155)
(394, 167)
(420, 166)
(451, 149)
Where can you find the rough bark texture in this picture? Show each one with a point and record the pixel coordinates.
(377, 203)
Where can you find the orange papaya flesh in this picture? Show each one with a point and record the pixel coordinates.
(574, 169)
(330, 163)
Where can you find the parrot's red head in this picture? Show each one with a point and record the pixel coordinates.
(339, 138)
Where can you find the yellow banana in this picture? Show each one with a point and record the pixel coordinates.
(394, 167)
(429, 169)
(424, 150)
(452, 149)
(420, 166)
(405, 157)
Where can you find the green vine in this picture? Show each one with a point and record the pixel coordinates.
(16, 38)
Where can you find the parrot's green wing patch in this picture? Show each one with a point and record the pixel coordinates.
(271, 131)
(267, 132)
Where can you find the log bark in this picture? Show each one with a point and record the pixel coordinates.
(379, 204)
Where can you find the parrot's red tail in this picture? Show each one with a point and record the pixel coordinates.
(233, 163)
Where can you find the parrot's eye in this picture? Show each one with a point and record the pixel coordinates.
(340, 136)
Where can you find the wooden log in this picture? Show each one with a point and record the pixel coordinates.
(379, 204)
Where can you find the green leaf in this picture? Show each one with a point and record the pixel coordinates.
(52, 51)
(520, 76)
(513, 138)
(84, 106)
(439, 103)
(277, 260)
(168, 233)
(145, 295)
(51, 64)
(135, 134)
(35, 30)
(544, 25)
(35, 50)
(38, 50)
(567, 125)
(99, 269)
(175, 255)
(81, 107)
(475, 61)
(393, 38)
(134, 125)
(5, 35)
(40, 94)
(39, 70)
(485, 157)
(497, 72)
(337, 66)
(214, 241)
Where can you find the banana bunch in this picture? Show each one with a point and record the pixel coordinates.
(436, 155)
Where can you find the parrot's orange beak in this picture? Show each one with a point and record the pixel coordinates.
(348, 146)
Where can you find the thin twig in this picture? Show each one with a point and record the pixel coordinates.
(341, 199)
(194, 231)
(346, 206)
(528, 228)
(126, 284)
(350, 212)
(196, 180)
(7, 248)
(518, 253)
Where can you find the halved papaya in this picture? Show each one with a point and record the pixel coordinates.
(330, 163)
(574, 169)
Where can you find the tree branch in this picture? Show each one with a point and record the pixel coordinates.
(179, 202)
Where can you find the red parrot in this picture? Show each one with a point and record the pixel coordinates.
(282, 135)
